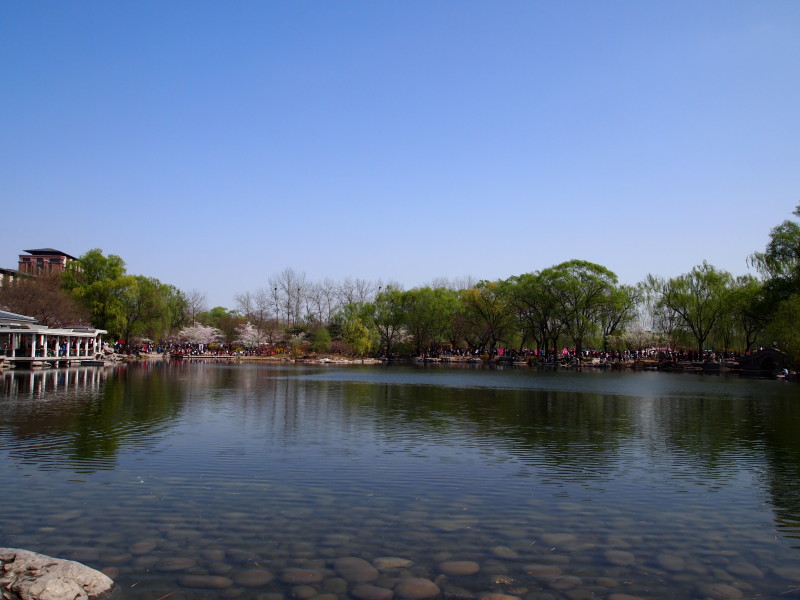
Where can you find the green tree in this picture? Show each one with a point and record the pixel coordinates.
(780, 265)
(783, 328)
(456, 327)
(747, 314)
(152, 309)
(447, 310)
(98, 283)
(389, 317)
(357, 336)
(179, 311)
(321, 341)
(781, 258)
(618, 312)
(697, 298)
(584, 291)
(428, 314)
(662, 321)
(227, 321)
(532, 298)
(487, 315)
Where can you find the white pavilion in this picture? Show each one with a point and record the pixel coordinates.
(24, 342)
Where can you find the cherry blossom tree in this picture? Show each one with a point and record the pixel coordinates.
(249, 335)
(200, 334)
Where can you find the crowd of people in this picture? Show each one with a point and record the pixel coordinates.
(175, 348)
(553, 355)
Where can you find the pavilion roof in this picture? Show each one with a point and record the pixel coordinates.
(10, 317)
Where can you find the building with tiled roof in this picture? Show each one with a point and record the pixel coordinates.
(42, 261)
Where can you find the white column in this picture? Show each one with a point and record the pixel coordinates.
(33, 345)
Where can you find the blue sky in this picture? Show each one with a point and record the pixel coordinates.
(214, 144)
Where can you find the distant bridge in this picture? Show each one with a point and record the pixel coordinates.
(768, 360)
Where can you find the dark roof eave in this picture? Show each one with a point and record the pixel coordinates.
(39, 251)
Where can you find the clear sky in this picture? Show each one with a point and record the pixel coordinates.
(214, 144)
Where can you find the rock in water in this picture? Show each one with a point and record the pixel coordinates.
(459, 567)
(416, 589)
(354, 569)
(30, 576)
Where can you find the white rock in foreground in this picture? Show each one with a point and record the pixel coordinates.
(26, 575)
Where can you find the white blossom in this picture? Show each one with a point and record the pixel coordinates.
(247, 335)
(200, 334)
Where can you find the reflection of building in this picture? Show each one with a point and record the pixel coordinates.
(38, 382)
(24, 342)
(43, 261)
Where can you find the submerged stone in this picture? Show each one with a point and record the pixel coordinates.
(176, 563)
(385, 563)
(416, 588)
(497, 596)
(213, 582)
(459, 567)
(670, 562)
(366, 591)
(720, 591)
(301, 576)
(304, 592)
(621, 558)
(543, 571)
(564, 582)
(354, 569)
(253, 577)
(556, 539)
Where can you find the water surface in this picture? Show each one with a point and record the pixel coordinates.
(215, 481)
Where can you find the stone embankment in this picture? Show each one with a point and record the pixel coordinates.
(27, 575)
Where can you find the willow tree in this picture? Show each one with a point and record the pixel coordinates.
(748, 313)
(584, 290)
(99, 283)
(698, 299)
(779, 263)
(388, 316)
(486, 313)
(151, 308)
(781, 257)
(428, 314)
(535, 305)
(619, 311)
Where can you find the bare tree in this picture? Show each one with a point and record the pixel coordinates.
(330, 298)
(257, 308)
(356, 291)
(42, 298)
(195, 303)
(456, 284)
(316, 303)
(289, 290)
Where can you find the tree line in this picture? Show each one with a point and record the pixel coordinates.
(97, 290)
(576, 304)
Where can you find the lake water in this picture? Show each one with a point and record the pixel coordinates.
(269, 482)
